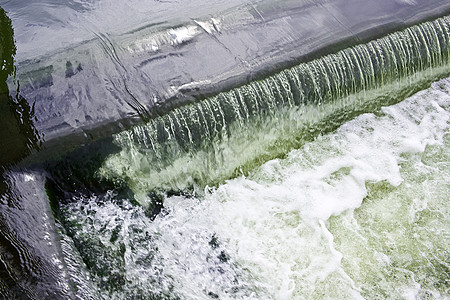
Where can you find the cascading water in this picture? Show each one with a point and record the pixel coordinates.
(298, 186)
(283, 149)
(215, 139)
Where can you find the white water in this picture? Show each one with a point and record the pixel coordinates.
(358, 213)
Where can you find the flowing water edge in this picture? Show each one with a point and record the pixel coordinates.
(316, 209)
(325, 180)
(361, 212)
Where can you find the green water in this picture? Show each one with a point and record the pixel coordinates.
(329, 180)
(358, 213)
(236, 131)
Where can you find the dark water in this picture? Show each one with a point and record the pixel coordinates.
(123, 122)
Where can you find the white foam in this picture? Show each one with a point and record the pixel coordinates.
(274, 222)
(358, 213)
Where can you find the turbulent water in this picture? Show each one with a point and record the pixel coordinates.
(215, 139)
(361, 212)
(325, 180)
(284, 188)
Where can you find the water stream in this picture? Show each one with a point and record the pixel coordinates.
(324, 175)
(361, 212)
(282, 189)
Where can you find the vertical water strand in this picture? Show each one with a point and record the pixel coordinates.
(413, 56)
(293, 82)
(135, 159)
(235, 105)
(195, 128)
(388, 61)
(368, 61)
(317, 80)
(171, 126)
(136, 135)
(410, 57)
(264, 98)
(252, 98)
(418, 54)
(161, 137)
(350, 81)
(164, 134)
(392, 63)
(206, 125)
(209, 119)
(199, 132)
(395, 64)
(445, 26)
(358, 69)
(242, 105)
(151, 135)
(338, 63)
(443, 37)
(416, 49)
(219, 114)
(434, 45)
(280, 94)
(267, 96)
(285, 90)
(189, 118)
(213, 120)
(284, 99)
(347, 85)
(333, 78)
(304, 85)
(380, 71)
(236, 111)
(408, 63)
(363, 65)
(183, 137)
(339, 74)
(309, 84)
(397, 41)
(166, 126)
(440, 40)
(171, 146)
(272, 88)
(327, 94)
(425, 44)
(133, 148)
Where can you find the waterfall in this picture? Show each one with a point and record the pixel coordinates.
(326, 179)
(278, 189)
(228, 134)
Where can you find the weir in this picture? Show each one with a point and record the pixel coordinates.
(118, 77)
(206, 143)
(235, 131)
(115, 212)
